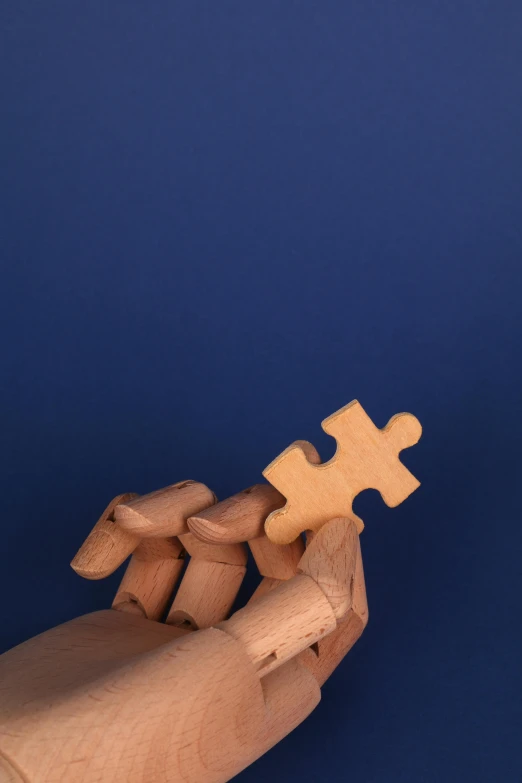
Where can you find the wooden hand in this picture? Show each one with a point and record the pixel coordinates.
(116, 696)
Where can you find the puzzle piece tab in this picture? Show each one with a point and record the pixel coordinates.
(366, 458)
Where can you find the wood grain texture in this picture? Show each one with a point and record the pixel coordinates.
(266, 585)
(291, 692)
(238, 518)
(366, 457)
(151, 706)
(274, 560)
(9, 773)
(113, 697)
(163, 513)
(206, 593)
(150, 578)
(330, 561)
(233, 554)
(281, 623)
(107, 546)
(329, 652)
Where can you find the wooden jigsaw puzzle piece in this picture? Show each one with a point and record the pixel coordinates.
(366, 458)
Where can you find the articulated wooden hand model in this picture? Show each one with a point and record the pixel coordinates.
(118, 695)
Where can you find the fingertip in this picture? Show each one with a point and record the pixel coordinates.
(102, 553)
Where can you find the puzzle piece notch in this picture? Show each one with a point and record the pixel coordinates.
(366, 458)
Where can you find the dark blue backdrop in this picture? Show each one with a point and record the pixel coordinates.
(221, 221)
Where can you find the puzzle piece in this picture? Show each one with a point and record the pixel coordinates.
(366, 458)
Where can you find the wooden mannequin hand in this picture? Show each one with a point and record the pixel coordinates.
(114, 696)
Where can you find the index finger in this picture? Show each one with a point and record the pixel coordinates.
(241, 518)
(238, 518)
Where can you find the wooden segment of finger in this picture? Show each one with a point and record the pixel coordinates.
(150, 578)
(238, 518)
(275, 563)
(206, 594)
(107, 546)
(360, 600)
(274, 560)
(330, 560)
(233, 554)
(164, 513)
(329, 652)
(326, 655)
(279, 625)
(265, 586)
(291, 693)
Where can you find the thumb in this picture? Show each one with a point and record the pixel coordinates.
(330, 560)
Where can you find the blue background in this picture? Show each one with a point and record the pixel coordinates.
(221, 221)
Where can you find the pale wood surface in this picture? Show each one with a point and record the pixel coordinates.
(266, 585)
(238, 518)
(140, 717)
(283, 622)
(8, 773)
(331, 560)
(150, 578)
(133, 700)
(233, 554)
(114, 698)
(276, 561)
(206, 593)
(293, 615)
(107, 546)
(164, 513)
(366, 458)
(327, 654)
